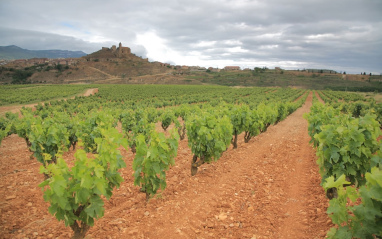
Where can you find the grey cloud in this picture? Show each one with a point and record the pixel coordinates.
(34, 40)
(341, 33)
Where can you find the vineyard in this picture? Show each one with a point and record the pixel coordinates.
(21, 94)
(155, 161)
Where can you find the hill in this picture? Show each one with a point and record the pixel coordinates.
(14, 52)
(108, 65)
(117, 65)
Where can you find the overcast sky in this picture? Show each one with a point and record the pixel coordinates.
(343, 35)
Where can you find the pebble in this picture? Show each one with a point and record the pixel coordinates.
(222, 216)
(147, 213)
(10, 197)
(50, 236)
(210, 224)
(134, 231)
(29, 204)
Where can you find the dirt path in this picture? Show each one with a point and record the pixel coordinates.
(17, 108)
(102, 72)
(90, 92)
(268, 188)
(113, 79)
(319, 98)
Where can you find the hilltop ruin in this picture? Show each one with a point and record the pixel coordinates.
(113, 52)
(120, 51)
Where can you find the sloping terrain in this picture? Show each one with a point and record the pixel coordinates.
(107, 67)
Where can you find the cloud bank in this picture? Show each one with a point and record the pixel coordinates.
(343, 35)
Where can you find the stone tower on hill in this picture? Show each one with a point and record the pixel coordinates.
(121, 51)
(116, 53)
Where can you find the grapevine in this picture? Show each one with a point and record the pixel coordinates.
(153, 158)
(75, 193)
(208, 137)
(358, 221)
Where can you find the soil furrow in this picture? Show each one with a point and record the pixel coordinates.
(267, 188)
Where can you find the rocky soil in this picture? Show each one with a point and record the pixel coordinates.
(267, 188)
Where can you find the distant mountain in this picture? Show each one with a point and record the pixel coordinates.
(14, 52)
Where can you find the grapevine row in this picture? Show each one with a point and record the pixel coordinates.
(349, 154)
(211, 123)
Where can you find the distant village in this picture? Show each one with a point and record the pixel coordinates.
(41, 61)
(121, 52)
(74, 61)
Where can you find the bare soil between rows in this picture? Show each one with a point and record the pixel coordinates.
(267, 188)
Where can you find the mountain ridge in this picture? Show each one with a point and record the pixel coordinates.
(13, 52)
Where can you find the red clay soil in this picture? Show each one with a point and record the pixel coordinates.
(267, 188)
(319, 98)
(303, 95)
